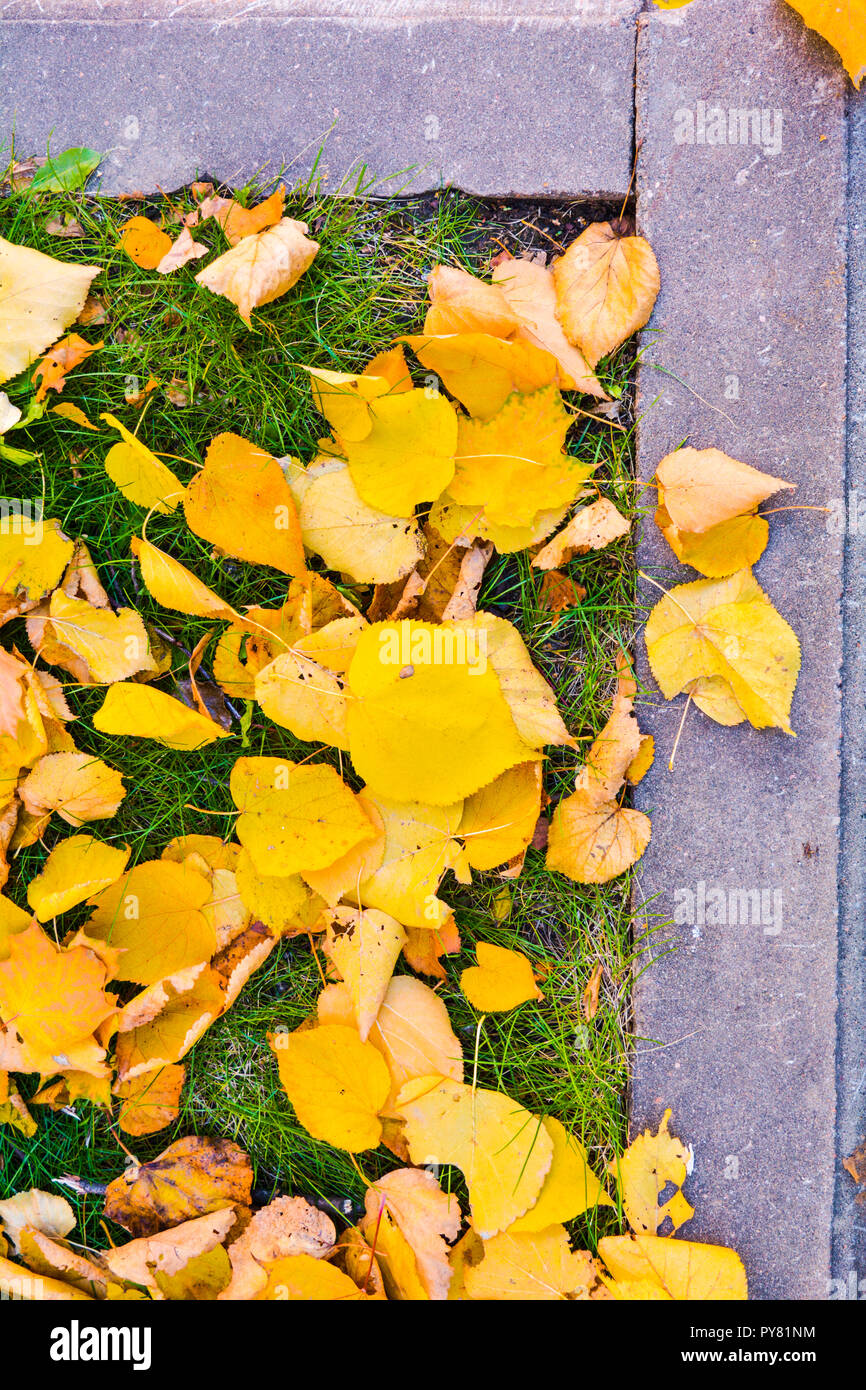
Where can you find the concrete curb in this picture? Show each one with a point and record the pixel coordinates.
(751, 318)
(476, 103)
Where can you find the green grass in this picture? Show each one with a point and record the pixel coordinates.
(366, 286)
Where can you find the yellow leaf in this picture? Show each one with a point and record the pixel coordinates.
(454, 520)
(15, 1282)
(652, 1267)
(301, 1278)
(39, 298)
(73, 1086)
(530, 289)
(411, 1220)
(262, 267)
(241, 503)
(503, 1152)
(843, 24)
(408, 456)
(139, 474)
(726, 628)
(283, 902)
(344, 399)
(153, 915)
(191, 1178)
(482, 371)
(514, 465)
(364, 947)
(73, 412)
(176, 587)
(295, 816)
(76, 785)
(112, 646)
(428, 721)
(461, 303)
(150, 1102)
(420, 845)
(642, 760)
(342, 879)
(352, 537)
(501, 980)
(591, 528)
(570, 1188)
(144, 242)
(606, 286)
(304, 696)
(499, 820)
(219, 854)
(285, 1227)
(336, 1083)
(201, 1280)
(650, 1163)
(75, 869)
(530, 1267)
(140, 711)
(413, 1033)
(32, 561)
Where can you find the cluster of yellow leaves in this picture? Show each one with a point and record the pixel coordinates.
(196, 1237)
(720, 639)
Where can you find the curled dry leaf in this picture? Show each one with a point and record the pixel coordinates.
(411, 1221)
(35, 1210)
(286, 1227)
(191, 1178)
(51, 371)
(591, 528)
(530, 290)
(181, 252)
(261, 267)
(606, 286)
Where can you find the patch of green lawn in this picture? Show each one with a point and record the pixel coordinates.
(365, 288)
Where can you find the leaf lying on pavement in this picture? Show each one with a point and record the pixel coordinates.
(606, 286)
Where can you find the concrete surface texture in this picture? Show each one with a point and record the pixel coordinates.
(746, 351)
(509, 99)
(748, 355)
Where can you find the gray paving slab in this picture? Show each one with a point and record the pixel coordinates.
(501, 98)
(748, 355)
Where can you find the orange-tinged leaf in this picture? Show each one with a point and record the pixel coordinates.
(606, 286)
(144, 242)
(408, 455)
(73, 1086)
(461, 303)
(150, 1102)
(168, 1252)
(501, 980)
(56, 999)
(530, 289)
(295, 816)
(499, 820)
(336, 1083)
(51, 371)
(570, 1188)
(39, 298)
(75, 869)
(364, 947)
(503, 1152)
(153, 915)
(652, 1267)
(190, 1178)
(591, 528)
(286, 1227)
(413, 1033)
(139, 474)
(843, 24)
(181, 251)
(420, 845)
(650, 1163)
(727, 629)
(181, 1009)
(530, 1267)
(16, 1283)
(141, 711)
(241, 503)
(482, 371)
(77, 786)
(262, 267)
(424, 948)
(36, 1211)
(642, 760)
(411, 1221)
(111, 646)
(238, 222)
(352, 537)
